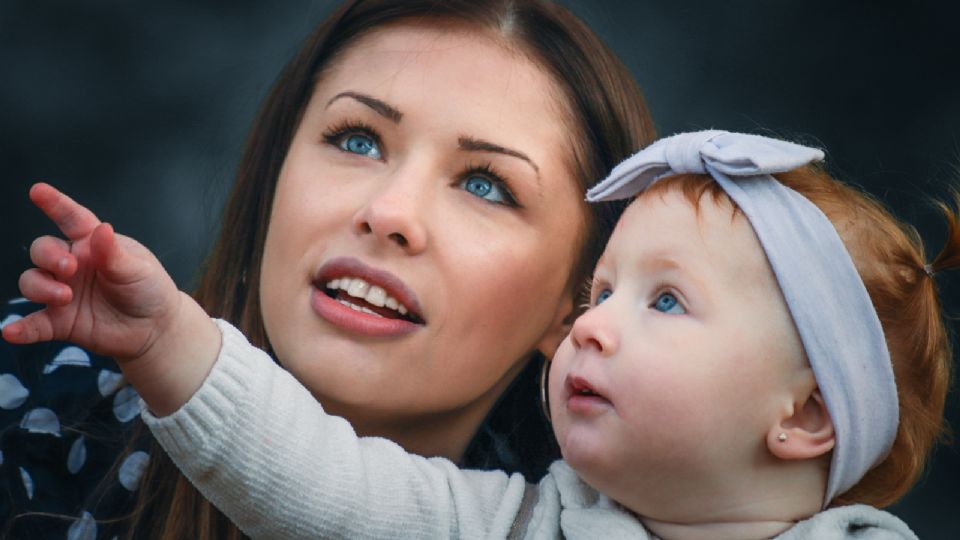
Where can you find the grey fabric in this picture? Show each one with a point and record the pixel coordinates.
(828, 301)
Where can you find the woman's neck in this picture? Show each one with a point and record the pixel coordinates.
(435, 436)
(438, 434)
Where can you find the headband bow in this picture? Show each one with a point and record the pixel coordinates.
(827, 299)
(732, 154)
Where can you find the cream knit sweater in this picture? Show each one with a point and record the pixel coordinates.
(258, 445)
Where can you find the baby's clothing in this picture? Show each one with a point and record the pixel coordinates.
(259, 446)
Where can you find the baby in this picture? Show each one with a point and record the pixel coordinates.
(763, 357)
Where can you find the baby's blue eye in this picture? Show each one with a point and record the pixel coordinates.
(486, 189)
(668, 303)
(363, 145)
(603, 295)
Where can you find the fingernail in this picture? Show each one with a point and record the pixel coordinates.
(62, 265)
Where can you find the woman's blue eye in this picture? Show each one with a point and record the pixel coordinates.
(604, 294)
(668, 303)
(486, 189)
(360, 144)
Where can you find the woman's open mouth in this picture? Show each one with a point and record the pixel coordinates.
(361, 299)
(357, 294)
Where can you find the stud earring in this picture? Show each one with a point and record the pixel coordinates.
(782, 437)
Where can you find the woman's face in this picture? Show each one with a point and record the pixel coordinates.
(423, 233)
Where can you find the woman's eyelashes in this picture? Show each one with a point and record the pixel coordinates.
(481, 181)
(355, 138)
(484, 182)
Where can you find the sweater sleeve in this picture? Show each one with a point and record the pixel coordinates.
(257, 444)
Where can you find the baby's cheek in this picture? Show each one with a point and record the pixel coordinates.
(671, 406)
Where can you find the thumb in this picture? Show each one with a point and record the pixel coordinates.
(112, 262)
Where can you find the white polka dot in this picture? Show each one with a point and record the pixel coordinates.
(12, 392)
(84, 528)
(27, 482)
(132, 469)
(41, 420)
(69, 356)
(108, 382)
(77, 456)
(126, 404)
(9, 319)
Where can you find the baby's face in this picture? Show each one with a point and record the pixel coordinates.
(672, 379)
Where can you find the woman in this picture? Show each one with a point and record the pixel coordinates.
(432, 154)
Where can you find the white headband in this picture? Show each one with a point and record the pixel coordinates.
(835, 318)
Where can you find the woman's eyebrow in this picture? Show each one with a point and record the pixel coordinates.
(380, 107)
(471, 144)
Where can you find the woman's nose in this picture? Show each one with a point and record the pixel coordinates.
(595, 330)
(396, 213)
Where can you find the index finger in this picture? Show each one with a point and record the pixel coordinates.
(74, 219)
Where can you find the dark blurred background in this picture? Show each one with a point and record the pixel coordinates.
(139, 110)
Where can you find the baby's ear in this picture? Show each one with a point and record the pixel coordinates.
(807, 434)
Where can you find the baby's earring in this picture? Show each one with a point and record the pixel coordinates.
(782, 437)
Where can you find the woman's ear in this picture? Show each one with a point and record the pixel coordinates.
(560, 326)
(806, 434)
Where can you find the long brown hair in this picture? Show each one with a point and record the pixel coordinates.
(889, 255)
(611, 122)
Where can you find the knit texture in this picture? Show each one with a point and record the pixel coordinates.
(258, 445)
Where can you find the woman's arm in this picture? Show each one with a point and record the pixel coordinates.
(260, 447)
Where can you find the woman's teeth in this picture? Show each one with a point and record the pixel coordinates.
(373, 294)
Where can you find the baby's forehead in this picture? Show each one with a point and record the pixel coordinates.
(673, 213)
(708, 234)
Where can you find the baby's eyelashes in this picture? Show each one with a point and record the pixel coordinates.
(667, 302)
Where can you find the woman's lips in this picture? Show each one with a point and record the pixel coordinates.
(348, 318)
(583, 398)
(359, 298)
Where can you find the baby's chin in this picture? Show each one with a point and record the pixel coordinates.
(593, 462)
(642, 484)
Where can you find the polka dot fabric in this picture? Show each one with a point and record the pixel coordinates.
(70, 467)
(67, 458)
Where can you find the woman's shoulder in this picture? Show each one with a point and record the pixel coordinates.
(66, 418)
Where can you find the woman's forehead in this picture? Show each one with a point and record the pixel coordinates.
(460, 80)
(481, 58)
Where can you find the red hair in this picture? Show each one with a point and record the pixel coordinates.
(889, 256)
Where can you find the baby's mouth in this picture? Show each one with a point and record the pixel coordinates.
(579, 387)
(360, 295)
